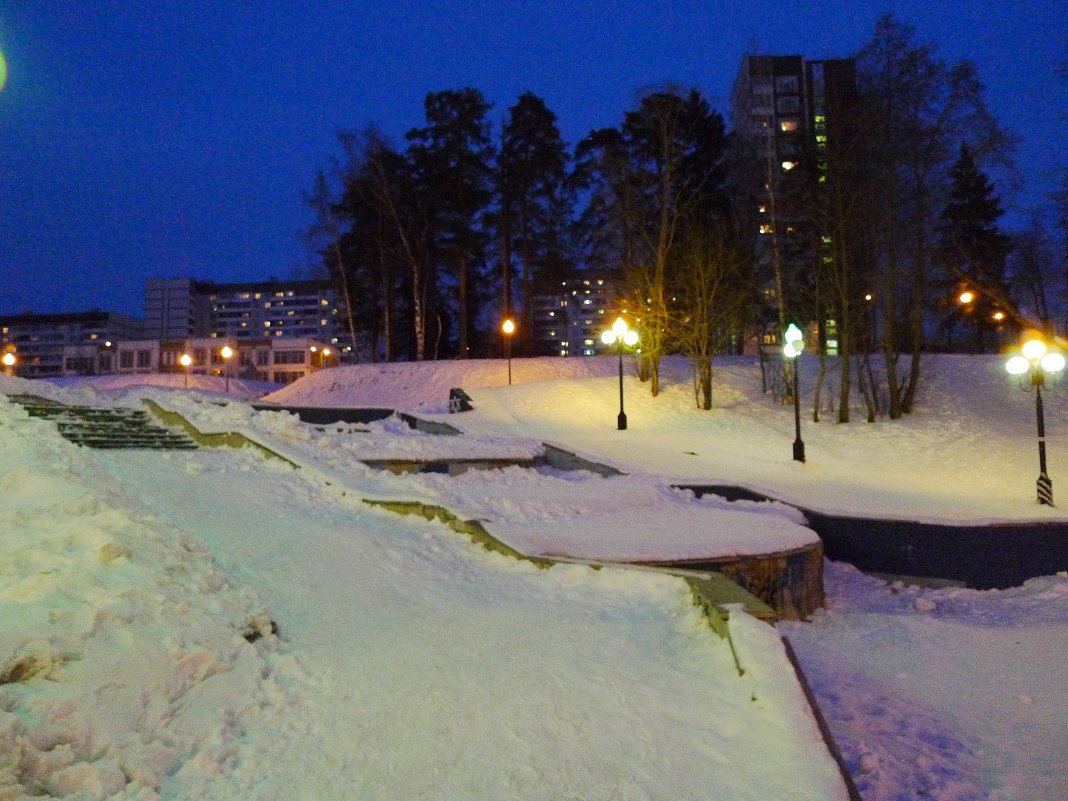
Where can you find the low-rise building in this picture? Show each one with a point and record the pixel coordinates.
(280, 360)
(49, 345)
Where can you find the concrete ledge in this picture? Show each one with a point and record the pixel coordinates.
(790, 582)
(228, 439)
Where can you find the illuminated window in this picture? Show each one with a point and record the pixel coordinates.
(765, 229)
(788, 165)
(762, 208)
(789, 125)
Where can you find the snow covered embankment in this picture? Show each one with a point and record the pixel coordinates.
(126, 655)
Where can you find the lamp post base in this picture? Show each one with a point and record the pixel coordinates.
(799, 451)
(1045, 490)
(621, 422)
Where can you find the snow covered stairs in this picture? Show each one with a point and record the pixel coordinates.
(104, 427)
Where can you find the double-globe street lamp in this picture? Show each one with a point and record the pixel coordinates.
(1037, 361)
(621, 334)
(795, 343)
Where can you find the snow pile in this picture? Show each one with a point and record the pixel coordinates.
(125, 653)
(943, 693)
(581, 515)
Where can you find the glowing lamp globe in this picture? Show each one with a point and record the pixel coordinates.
(619, 327)
(1017, 365)
(607, 337)
(1052, 362)
(1034, 349)
(185, 360)
(630, 338)
(508, 326)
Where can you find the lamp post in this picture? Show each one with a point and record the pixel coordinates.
(795, 343)
(508, 329)
(227, 352)
(1037, 361)
(621, 334)
(185, 360)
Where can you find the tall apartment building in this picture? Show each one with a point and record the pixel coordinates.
(570, 321)
(177, 308)
(784, 112)
(48, 345)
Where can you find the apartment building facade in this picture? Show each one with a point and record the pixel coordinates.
(182, 307)
(75, 343)
(784, 112)
(569, 322)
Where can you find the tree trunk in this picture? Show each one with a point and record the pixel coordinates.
(704, 364)
(461, 291)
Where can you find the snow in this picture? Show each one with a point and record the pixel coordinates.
(138, 592)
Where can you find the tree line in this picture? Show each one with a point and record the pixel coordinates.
(432, 244)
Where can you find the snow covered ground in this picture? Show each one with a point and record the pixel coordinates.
(412, 664)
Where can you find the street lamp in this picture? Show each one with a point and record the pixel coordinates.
(621, 334)
(9, 362)
(185, 360)
(795, 343)
(226, 353)
(1038, 361)
(508, 329)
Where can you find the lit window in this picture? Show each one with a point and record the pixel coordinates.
(788, 165)
(765, 229)
(587, 342)
(552, 314)
(762, 208)
(256, 296)
(787, 126)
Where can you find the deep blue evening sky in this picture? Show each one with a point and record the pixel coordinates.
(142, 138)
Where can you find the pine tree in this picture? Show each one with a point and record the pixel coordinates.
(452, 158)
(534, 203)
(971, 249)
